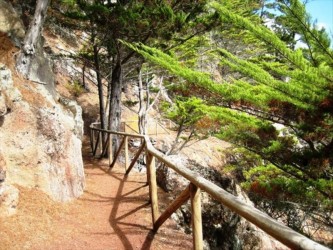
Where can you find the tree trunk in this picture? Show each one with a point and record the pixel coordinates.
(100, 88)
(32, 41)
(108, 96)
(142, 122)
(84, 75)
(100, 96)
(115, 102)
(145, 105)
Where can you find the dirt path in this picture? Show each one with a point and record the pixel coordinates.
(113, 213)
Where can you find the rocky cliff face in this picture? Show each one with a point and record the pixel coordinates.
(40, 133)
(40, 140)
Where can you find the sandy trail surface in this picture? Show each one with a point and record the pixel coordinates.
(113, 213)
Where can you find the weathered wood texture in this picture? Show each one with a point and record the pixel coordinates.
(136, 157)
(196, 217)
(152, 187)
(181, 199)
(97, 143)
(126, 153)
(110, 149)
(277, 230)
(118, 152)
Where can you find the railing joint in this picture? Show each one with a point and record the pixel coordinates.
(277, 230)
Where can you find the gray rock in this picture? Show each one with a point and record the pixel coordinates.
(7, 87)
(11, 23)
(76, 111)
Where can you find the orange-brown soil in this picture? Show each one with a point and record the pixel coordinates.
(113, 213)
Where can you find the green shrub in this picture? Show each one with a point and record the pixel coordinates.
(75, 88)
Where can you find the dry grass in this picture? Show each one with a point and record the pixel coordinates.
(35, 217)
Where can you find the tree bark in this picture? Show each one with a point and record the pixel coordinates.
(32, 41)
(115, 102)
(145, 105)
(100, 88)
(142, 117)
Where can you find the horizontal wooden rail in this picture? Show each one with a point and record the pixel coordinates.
(182, 198)
(118, 133)
(274, 228)
(136, 157)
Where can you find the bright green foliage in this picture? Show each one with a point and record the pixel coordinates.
(295, 21)
(159, 23)
(230, 91)
(186, 112)
(276, 85)
(297, 94)
(272, 101)
(270, 182)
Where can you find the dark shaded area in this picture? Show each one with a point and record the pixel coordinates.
(2, 120)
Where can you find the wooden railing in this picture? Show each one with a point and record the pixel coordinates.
(155, 128)
(197, 184)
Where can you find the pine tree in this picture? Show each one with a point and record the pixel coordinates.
(278, 108)
(134, 21)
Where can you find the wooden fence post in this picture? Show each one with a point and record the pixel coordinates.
(101, 143)
(196, 217)
(110, 149)
(92, 139)
(96, 143)
(152, 186)
(126, 153)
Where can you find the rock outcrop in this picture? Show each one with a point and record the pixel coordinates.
(40, 140)
(222, 228)
(11, 23)
(40, 134)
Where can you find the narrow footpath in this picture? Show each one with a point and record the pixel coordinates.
(113, 213)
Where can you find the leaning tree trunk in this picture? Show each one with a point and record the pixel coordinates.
(115, 103)
(145, 104)
(32, 39)
(100, 88)
(100, 94)
(142, 115)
